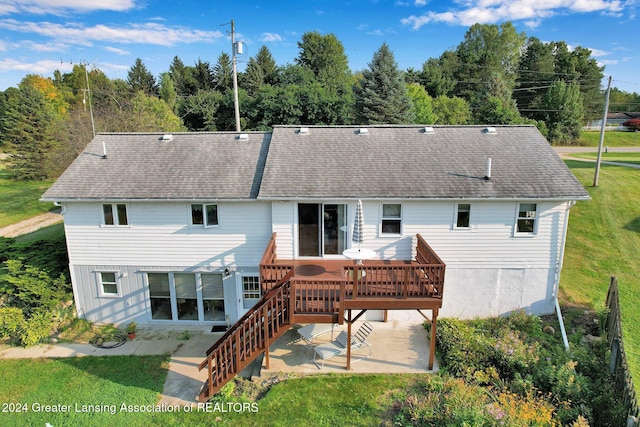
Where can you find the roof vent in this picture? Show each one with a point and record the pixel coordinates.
(490, 130)
(303, 131)
(243, 137)
(363, 131)
(428, 130)
(167, 137)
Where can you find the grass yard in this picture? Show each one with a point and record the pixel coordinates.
(603, 241)
(29, 384)
(611, 139)
(20, 199)
(633, 158)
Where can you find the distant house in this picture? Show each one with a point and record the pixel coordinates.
(615, 119)
(171, 229)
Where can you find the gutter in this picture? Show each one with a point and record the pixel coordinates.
(558, 270)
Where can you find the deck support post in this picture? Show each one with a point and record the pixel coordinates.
(349, 340)
(432, 343)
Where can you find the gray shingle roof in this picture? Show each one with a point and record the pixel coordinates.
(328, 162)
(407, 162)
(203, 165)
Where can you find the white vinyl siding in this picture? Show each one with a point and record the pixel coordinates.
(160, 235)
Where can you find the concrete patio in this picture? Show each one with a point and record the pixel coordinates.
(397, 347)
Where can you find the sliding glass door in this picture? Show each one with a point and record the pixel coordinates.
(322, 229)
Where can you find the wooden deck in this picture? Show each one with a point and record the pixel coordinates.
(323, 291)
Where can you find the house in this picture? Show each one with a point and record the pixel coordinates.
(171, 229)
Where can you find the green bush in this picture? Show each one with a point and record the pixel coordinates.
(11, 322)
(36, 329)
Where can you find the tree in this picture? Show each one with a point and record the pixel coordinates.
(267, 64)
(381, 95)
(140, 79)
(563, 111)
(167, 91)
(422, 104)
(438, 75)
(182, 77)
(488, 59)
(223, 73)
(32, 127)
(325, 57)
(199, 111)
(535, 74)
(451, 111)
(149, 114)
(203, 76)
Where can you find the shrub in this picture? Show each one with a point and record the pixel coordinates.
(36, 329)
(11, 322)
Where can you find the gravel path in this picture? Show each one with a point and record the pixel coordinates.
(30, 225)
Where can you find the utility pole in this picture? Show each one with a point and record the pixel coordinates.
(235, 77)
(604, 124)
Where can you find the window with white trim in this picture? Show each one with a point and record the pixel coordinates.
(115, 214)
(391, 218)
(108, 283)
(463, 216)
(527, 218)
(250, 291)
(203, 214)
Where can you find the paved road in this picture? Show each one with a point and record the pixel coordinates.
(569, 150)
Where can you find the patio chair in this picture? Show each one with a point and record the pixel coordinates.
(339, 345)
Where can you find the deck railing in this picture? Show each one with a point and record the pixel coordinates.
(270, 272)
(317, 296)
(395, 281)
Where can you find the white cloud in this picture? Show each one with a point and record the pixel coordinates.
(117, 51)
(62, 7)
(375, 33)
(149, 33)
(598, 52)
(38, 67)
(270, 37)
(470, 12)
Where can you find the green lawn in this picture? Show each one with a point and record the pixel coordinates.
(633, 158)
(611, 139)
(603, 241)
(20, 199)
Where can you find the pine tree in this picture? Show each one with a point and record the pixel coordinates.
(140, 79)
(381, 96)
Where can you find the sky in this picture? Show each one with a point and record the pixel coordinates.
(40, 36)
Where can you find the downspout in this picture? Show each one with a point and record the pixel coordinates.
(558, 270)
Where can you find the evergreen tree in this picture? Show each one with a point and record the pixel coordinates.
(267, 64)
(381, 95)
(31, 128)
(168, 91)
(203, 75)
(223, 73)
(140, 79)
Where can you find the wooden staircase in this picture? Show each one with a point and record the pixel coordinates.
(249, 337)
(290, 299)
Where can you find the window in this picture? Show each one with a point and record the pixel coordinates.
(115, 214)
(160, 295)
(463, 215)
(186, 296)
(250, 290)
(391, 218)
(527, 215)
(108, 283)
(213, 297)
(206, 215)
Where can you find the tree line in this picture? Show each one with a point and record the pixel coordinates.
(496, 75)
